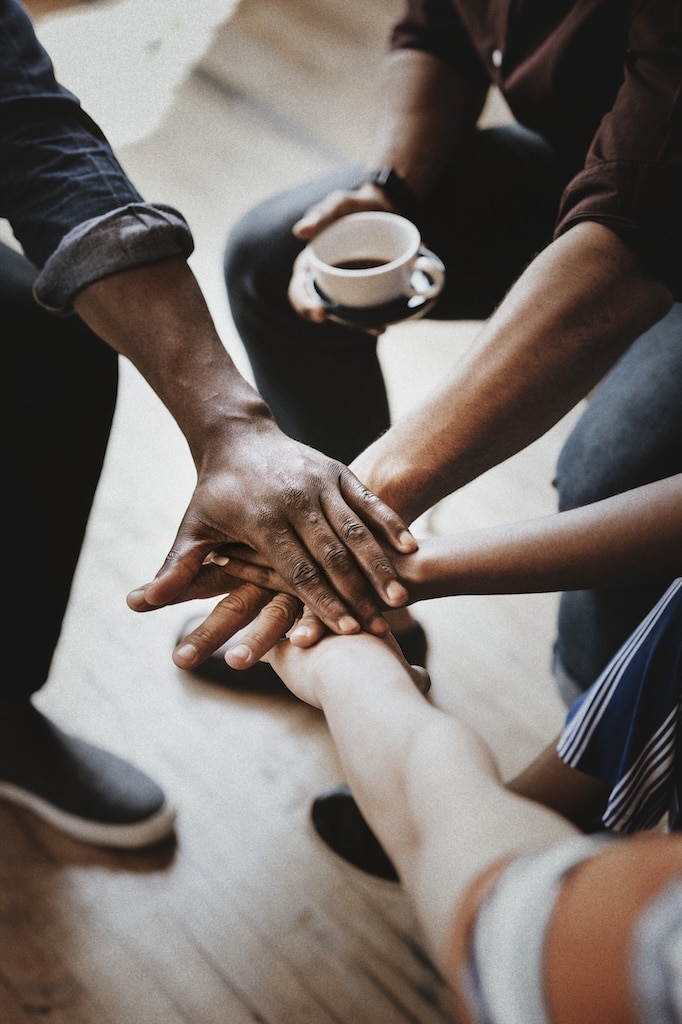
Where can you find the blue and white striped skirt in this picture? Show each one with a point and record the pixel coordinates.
(626, 729)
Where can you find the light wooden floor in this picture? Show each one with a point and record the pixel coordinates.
(247, 917)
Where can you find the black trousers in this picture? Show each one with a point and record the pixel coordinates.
(64, 381)
(487, 221)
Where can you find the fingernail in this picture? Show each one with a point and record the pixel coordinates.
(379, 626)
(347, 624)
(187, 652)
(406, 540)
(240, 652)
(396, 592)
(218, 559)
(300, 633)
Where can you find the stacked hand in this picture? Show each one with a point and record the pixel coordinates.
(306, 672)
(325, 535)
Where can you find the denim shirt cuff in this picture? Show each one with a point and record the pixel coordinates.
(130, 236)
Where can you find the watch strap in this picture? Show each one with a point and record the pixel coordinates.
(395, 187)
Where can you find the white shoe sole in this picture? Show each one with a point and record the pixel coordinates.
(134, 836)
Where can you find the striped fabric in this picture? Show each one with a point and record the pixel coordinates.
(626, 729)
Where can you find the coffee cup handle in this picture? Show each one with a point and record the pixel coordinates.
(433, 269)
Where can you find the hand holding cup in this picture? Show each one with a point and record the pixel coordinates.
(367, 270)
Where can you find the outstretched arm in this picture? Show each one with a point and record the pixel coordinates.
(121, 263)
(634, 535)
(574, 311)
(430, 790)
(307, 512)
(425, 781)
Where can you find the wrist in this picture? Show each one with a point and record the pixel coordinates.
(234, 432)
(397, 190)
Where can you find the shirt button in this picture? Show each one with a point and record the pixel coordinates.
(497, 58)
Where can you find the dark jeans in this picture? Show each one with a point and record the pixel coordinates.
(486, 221)
(630, 434)
(65, 382)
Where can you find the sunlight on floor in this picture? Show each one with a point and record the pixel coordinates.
(150, 45)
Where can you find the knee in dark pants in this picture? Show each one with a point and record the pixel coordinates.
(252, 257)
(261, 247)
(630, 433)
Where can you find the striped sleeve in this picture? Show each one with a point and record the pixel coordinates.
(583, 931)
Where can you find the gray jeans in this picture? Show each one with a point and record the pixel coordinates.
(630, 434)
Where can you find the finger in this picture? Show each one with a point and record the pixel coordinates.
(337, 204)
(420, 678)
(179, 569)
(235, 549)
(269, 627)
(379, 516)
(210, 581)
(250, 572)
(233, 613)
(330, 582)
(308, 630)
(301, 295)
(368, 554)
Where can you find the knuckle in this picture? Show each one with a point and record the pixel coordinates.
(294, 497)
(171, 558)
(354, 532)
(280, 615)
(240, 601)
(383, 567)
(336, 558)
(270, 521)
(304, 573)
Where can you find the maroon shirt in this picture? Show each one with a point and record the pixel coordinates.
(601, 80)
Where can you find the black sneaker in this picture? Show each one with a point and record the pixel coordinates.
(261, 678)
(83, 791)
(339, 823)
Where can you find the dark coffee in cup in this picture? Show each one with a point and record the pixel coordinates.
(368, 259)
(365, 263)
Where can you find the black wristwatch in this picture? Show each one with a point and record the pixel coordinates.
(395, 187)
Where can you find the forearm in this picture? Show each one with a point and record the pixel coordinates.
(635, 536)
(428, 111)
(575, 310)
(157, 317)
(425, 782)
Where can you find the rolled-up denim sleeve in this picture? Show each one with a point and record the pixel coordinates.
(129, 237)
(71, 206)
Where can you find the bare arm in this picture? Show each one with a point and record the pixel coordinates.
(426, 782)
(98, 245)
(565, 322)
(635, 536)
(430, 790)
(428, 110)
(309, 513)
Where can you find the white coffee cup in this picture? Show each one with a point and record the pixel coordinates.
(372, 258)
